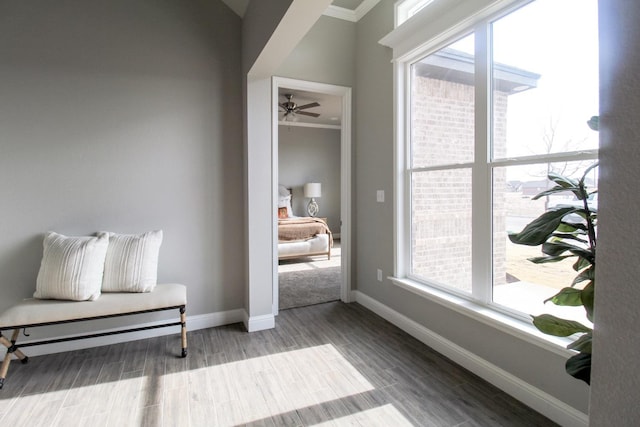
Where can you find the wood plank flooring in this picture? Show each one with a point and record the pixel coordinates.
(331, 364)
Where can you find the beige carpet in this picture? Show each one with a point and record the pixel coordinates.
(310, 280)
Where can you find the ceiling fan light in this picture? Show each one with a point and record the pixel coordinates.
(289, 117)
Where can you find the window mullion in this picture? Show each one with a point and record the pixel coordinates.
(402, 164)
(482, 223)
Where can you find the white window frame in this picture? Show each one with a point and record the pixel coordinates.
(405, 9)
(425, 33)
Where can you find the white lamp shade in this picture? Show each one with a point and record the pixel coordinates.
(312, 189)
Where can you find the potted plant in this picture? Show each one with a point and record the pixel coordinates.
(568, 232)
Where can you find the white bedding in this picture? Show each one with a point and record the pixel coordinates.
(319, 245)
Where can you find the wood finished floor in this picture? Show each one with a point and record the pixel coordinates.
(331, 364)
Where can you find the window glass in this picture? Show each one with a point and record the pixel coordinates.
(442, 106)
(441, 227)
(518, 283)
(541, 71)
(407, 8)
(545, 78)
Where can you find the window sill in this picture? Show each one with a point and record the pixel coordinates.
(515, 327)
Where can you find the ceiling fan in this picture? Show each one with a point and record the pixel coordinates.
(291, 109)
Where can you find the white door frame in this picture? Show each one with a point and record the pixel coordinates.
(345, 177)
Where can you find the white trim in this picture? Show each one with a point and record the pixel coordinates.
(259, 323)
(402, 211)
(439, 22)
(275, 159)
(309, 125)
(341, 13)
(199, 321)
(482, 177)
(521, 329)
(345, 175)
(402, 8)
(351, 15)
(427, 31)
(531, 396)
(345, 196)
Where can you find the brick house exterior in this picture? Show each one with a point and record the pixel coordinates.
(442, 121)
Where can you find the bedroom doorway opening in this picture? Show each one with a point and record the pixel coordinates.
(311, 158)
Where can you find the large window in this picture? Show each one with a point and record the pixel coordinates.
(490, 110)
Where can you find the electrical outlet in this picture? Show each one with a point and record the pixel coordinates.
(380, 196)
(379, 275)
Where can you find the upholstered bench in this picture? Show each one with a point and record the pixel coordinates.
(34, 312)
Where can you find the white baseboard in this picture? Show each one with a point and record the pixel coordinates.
(531, 396)
(259, 323)
(199, 321)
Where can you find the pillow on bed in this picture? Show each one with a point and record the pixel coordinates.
(131, 264)
(282, 213)
(71, 267)
(283, 191)
(285, 202)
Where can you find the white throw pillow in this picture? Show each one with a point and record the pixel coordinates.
(283, 191)
(285, 202)
(131, 264)
(71, 267)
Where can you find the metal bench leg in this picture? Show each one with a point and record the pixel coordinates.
(11, 349)
(183, 320)
(5, 368)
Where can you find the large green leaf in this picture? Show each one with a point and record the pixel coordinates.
(584, 253)
(546, 259)
(572, 227)
(559, 248)
(568, 184)
(552, 325)
(552, 190)
(588, 296)
(579, 366)
(569, 236)
(581, 263)
(556, 248)
(537, 232)
(563, 181)
(582, 344)
(584, 275)
(570, 297)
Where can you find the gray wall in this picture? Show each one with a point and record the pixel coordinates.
(325, 54)
(126, 116)
(259, 22)
(616, 376)
(374, 229)
(311, 155)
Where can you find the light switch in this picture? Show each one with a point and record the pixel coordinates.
(380, 196)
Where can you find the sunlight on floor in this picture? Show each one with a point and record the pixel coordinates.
(279, 385)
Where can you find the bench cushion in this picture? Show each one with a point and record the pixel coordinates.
(36, 311)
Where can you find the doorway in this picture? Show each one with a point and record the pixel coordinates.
(333, 103)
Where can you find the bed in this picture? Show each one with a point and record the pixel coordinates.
(300, 236)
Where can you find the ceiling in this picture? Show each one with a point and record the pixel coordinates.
(330, 108)
(350, 10)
